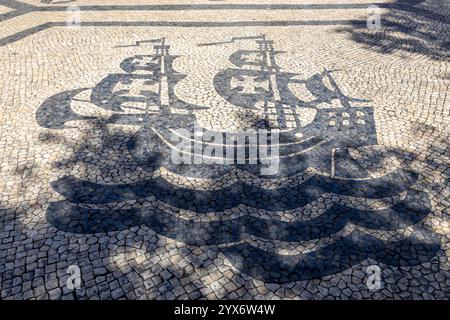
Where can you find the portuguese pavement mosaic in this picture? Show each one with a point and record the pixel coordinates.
(352, 175)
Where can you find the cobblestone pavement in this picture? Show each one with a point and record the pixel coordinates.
(357, 208)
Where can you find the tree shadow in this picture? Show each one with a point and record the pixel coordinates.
(184, 221)
(408, 27)
(79, 215)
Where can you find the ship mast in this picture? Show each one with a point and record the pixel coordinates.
(274, 110)
(162, 51)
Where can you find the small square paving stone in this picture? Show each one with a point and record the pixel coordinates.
(55, 294)
(117, 293)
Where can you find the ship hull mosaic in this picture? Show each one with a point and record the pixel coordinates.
(144, 96)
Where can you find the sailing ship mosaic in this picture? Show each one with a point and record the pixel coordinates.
(311, 135)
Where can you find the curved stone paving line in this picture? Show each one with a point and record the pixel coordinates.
(87, 178)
